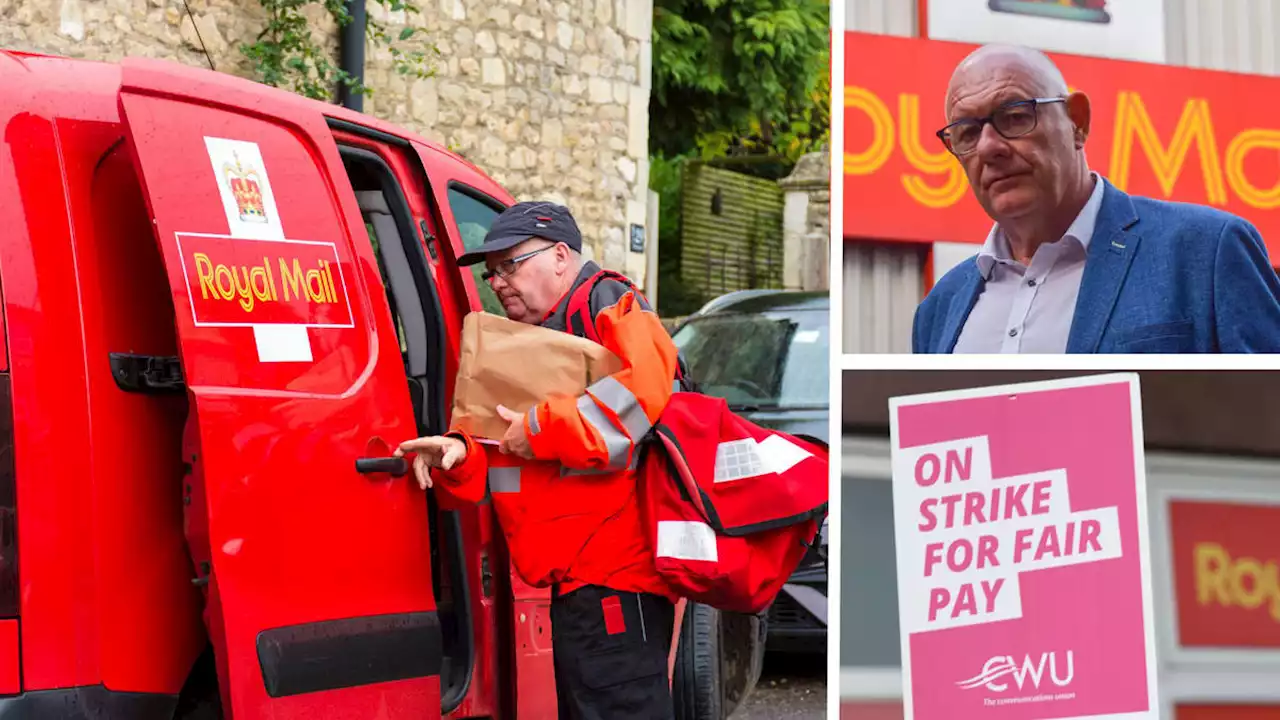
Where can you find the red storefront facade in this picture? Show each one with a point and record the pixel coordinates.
(1161, 131)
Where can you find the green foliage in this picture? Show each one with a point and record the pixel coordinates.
(736, 77)
(286, 55)
(674, 297)
(472, 237)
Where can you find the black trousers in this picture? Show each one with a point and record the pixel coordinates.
(610, 651)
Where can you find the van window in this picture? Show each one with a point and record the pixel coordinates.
(474, 217)
(391, 300)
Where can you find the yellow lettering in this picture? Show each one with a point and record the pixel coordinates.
(243, 288)
(315, 286)
(229, 291)
(1250, 587)
(293, 279)
(877, 154)
(929, 163)
(1245, 582)
(261, 284)
(328, 273)
(1240, 147)
(1211, 580)
(251, 285)
(270, 278)
(1196, 124)
(204, 275)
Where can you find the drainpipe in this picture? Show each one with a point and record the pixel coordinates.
(351, 57)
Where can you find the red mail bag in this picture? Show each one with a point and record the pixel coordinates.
(731, 507)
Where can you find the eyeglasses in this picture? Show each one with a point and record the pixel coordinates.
(1011, 120)
(507, 268)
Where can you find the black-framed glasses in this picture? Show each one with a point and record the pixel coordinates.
(1011, 120)
(507, 267)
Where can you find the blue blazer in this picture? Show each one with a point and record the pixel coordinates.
(1160, 277)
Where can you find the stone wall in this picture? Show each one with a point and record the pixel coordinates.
(806, 223)
(550, 97)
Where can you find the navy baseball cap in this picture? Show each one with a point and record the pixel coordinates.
(525, 221)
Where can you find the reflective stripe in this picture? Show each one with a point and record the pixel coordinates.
(504, 479)
(675, 386)
(738, 459)
(684, 540)
(533, 421)
(618, 398)
(570, 472)
(616, 443)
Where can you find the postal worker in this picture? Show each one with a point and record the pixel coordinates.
(563, 481)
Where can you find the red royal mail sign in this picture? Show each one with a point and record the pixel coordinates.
(1228, 712)
(1226, 567)
(1162, 131)
(237, 282)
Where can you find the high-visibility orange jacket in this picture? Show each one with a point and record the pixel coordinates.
(571, 516)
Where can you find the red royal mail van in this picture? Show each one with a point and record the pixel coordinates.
(223, 306)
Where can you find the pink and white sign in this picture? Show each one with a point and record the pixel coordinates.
(1024, 578)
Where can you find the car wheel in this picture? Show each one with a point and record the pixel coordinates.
(696, 684)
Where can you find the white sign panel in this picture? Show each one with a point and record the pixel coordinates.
(1127, 29)
(251, 213)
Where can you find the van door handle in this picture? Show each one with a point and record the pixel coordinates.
(394, 466)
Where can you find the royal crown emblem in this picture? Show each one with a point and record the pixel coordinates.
(246, 190)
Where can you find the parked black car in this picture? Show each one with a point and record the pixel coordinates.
(767, 352)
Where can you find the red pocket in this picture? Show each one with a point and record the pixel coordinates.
(613, 620)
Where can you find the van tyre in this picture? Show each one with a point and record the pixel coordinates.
(696, 683)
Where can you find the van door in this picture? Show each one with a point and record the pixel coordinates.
(315, 556)
(469, 203)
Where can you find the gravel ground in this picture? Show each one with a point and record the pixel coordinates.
(790, 688)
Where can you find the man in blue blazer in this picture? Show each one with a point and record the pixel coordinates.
(1073, 264)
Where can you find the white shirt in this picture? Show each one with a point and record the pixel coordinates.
(1029, 308)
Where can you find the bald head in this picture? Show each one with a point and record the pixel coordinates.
(1020, 138)
(1029, 68)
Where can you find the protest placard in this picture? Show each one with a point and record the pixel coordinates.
(1024, 579)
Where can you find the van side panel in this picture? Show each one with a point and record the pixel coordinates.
(149, 611)
(106, 592)
(51, 416)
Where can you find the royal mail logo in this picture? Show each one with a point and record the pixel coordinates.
(246, 188)
(1236, 582)
(1050, 669)
(250, 282)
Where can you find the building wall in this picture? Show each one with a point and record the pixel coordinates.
(883, 283)
(806, 223)
(548, 96)
(1236, 35)
(888, 17)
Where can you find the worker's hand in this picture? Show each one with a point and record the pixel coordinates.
(432, 452)
(515, 442)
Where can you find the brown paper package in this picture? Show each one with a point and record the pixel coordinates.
(516, 365)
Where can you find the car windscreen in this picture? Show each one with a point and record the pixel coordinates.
(773, 359)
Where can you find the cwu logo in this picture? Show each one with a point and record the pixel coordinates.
(1000, 670)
